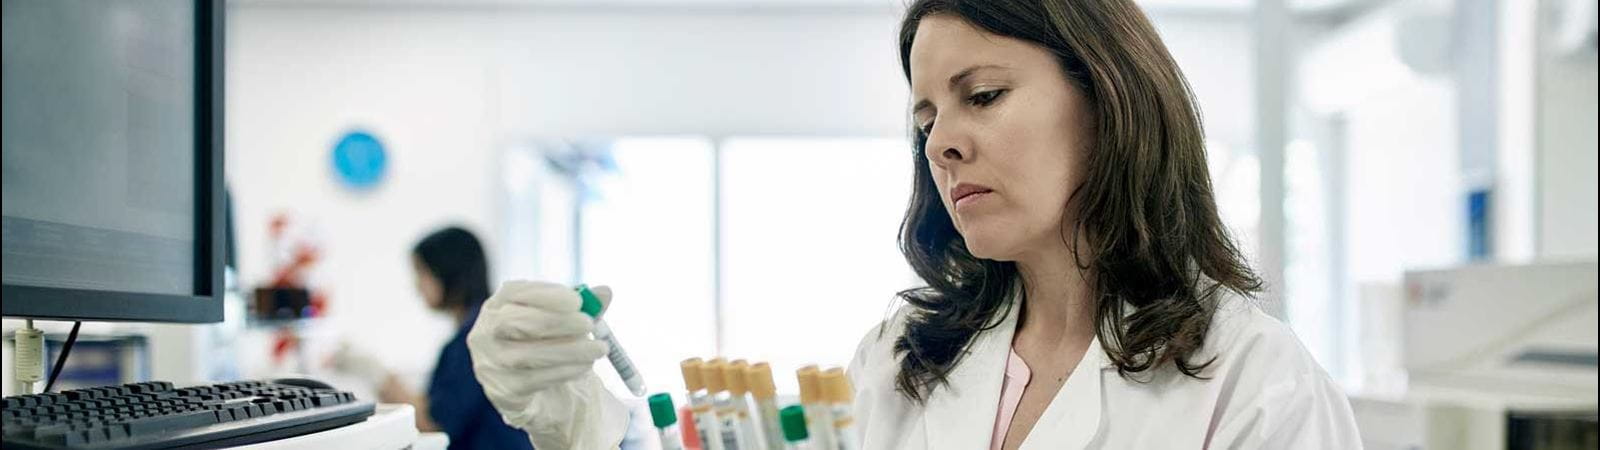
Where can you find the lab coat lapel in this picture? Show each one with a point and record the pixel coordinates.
(960, 416)
(1073, 418)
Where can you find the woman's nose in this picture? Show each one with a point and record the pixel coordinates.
(944, 150)
(951, 154)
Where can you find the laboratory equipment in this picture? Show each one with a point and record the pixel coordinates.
(726, 413)
(1518, 328)
(739, 392)
(765, 392)
(795, 431)
(1494, 357)
(691, 434)
(665, 419)
(837, 394)
(700, 401)
(819, 419)
(619, 358)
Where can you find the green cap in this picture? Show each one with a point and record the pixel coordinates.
(661, 410)
(794, 423)
(591, 302)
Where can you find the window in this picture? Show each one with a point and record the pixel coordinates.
(810, 260)
(806, 228)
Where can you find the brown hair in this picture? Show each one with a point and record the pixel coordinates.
(1145, 211)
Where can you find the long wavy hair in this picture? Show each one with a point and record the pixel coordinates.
(1145, 228)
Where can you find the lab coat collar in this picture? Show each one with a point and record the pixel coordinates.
(961, 415)
(1073, 418)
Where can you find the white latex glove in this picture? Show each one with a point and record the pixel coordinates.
(532, 352)
(352, 360)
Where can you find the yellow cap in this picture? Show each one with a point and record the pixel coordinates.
(835, 387)
(733, 375)
(759, 378)
(711, 372)
(809, 390)
(691, 374)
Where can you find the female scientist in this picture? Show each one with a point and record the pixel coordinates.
(453, 276)
(1081, 290)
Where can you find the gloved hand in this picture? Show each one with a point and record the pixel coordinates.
(352, 360)
(532, 352)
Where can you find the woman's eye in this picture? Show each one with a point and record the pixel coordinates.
(986, 98)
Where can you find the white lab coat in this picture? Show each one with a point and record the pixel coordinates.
(1265, 392)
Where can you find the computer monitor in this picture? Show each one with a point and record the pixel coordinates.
(113, 203)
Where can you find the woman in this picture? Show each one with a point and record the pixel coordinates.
(453, 277)
(1082, 291)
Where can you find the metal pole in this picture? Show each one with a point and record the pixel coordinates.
(1272, 69)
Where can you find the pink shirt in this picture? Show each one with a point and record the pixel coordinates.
(1017, 376)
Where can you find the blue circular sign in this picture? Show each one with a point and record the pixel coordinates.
(359, 159)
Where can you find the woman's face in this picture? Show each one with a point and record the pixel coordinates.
(1006, 133)
(428, 286)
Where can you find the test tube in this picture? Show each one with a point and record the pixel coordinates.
(759, 377)
(691, 435)
(727, 416)
(794, 428)
(619, 358)
(836, 393)
(739, 392)
(666, 421)
(818, 419)
(705, 421)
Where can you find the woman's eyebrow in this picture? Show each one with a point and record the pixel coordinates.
(964, 74)
(955, 81)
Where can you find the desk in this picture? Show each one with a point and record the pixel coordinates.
(392, 426)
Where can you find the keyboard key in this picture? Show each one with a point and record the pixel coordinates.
(151, 425)
(325, 400)
(52, 433)
(19, 428)
(116, 432)
(77, 438)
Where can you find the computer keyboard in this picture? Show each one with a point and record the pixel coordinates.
(156, 415)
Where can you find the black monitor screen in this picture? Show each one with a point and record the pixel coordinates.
(99, 143)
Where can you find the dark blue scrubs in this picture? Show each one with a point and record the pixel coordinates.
(457, 404)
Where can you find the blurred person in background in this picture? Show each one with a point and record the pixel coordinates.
(452, 275)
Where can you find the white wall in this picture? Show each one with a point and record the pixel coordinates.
(1399, 198)
(447, 89)
(1215, 53)
(1568, 222)
(295, 81)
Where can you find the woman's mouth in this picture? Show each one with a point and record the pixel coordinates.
(967, 193)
